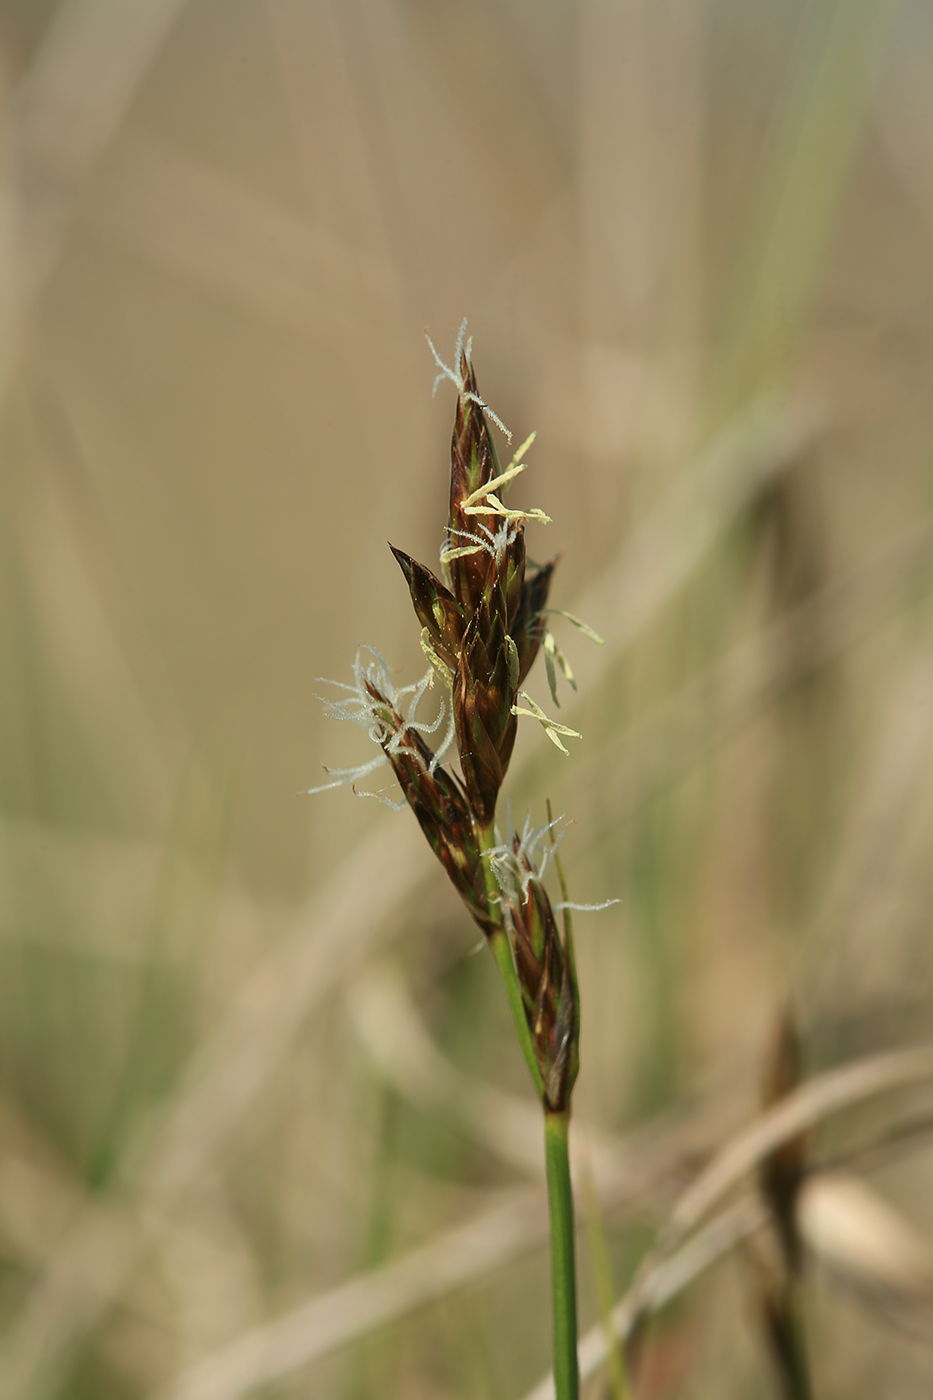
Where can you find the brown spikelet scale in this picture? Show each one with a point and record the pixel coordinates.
(473, 464)
(436, 609)
(438, 801)
(485, 724)
(547, 978)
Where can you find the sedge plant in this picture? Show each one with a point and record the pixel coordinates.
(483, 625)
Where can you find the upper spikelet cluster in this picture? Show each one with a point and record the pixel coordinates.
(482, 625)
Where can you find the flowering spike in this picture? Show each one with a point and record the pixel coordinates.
(481, 630)
(482, 625)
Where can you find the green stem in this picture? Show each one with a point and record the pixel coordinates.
(563, 1264)
(499, 945)
(501, 950)
(557, 1158)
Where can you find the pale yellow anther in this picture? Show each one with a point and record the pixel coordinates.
(503, 479)
(552, 654)
(551, 728)
(461, 552)
(580, 625)
(438, 665)
(484, 501)
(494, 506)
(516, 464)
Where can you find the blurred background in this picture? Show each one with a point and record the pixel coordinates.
(263, 1129)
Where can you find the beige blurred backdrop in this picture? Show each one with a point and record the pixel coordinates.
(694, 242)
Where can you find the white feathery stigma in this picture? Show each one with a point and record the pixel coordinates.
(361, 708)
(524, 859)
(584, 908)
(456, 378)
(484, 501)
(493, 542)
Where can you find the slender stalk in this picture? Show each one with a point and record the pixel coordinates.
(481, 631)
(563, 1259)
(502, 952)
(499, 946)
(557, 1157)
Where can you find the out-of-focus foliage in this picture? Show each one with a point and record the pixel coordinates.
(245, 1055)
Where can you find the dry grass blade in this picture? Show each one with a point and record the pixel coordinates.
(222, 1083)
(708, 1246)
(865, 1241)
(63, 116)
(688, 1244)
(388, 1024)
(630, 1177)
(754, 447)
(834, 1228)
(451, 1260)
(804, 182)
(329, 944)
(227, 237)
(676, 732)
(807, 1106)
(863, 933)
